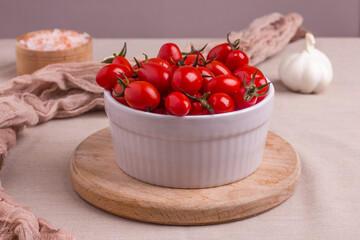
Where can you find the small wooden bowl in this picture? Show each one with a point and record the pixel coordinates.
(28, 60)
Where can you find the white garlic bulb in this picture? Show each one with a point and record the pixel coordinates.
(307, 72)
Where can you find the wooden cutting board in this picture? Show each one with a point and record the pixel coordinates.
(97, 179)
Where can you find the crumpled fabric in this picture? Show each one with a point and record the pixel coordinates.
(69, 89)
(266, 36)
(56, 91)
(17, 221)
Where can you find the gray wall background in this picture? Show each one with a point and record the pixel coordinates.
(170, 19)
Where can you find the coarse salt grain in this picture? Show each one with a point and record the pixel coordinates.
(54, 40)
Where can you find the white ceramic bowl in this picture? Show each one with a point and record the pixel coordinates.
(191, 151)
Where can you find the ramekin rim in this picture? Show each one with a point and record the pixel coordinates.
(114, 103)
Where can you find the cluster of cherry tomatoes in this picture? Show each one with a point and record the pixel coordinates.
(185, 83)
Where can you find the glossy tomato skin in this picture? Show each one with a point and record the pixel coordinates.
(123, 61)
(177, 104)
(163, 96)
(236, 59)
(188, 79)
(190, 59)
(156, 74)
(206, 72)
(220, 52)
(160, 111)
(160, 61)
(142, 95)
(154, 60)
(197, 108)
(195, 54)
(239, 101)
(170, 52)
(117, 89)
(221, 103)
(172, 70)
(223, 84)
(106, 77)
(218, 68)
(249, 72)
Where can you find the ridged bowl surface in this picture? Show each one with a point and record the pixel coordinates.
(191, 151)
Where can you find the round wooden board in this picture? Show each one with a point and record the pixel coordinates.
(97, 179)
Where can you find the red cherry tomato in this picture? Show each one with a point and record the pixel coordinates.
(123, 61)
(155, 74)
(195, 54)
(117, 89)
(236, 59)
(154, 60)
(135, 67)
(163, 96)
(197, 108)
(221, 103)
(170, 52)
(177, 104)
(120, 58)
(106, 77)
(220, 52)
(190, 59)
(194, 51)
(239, 101)
(205, 72)
(142, 95)
(160, 111)
(187, 79)
(224, 83)
(249, 72)
(172, 70)
(160, 61)
(218, 68)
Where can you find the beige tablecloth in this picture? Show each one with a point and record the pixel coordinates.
(324, 129)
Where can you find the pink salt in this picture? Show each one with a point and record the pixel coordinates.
(54, 40)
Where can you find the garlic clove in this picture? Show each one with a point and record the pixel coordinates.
(327, 71)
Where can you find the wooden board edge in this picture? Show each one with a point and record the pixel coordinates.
(113, 208)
